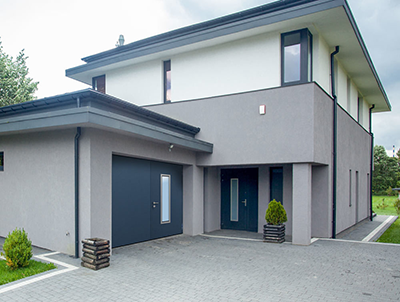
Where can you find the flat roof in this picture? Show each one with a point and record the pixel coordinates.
(91, 108)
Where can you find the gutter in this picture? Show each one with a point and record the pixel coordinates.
(371, 217)
(334, 151)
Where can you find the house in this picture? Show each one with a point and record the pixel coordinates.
(197, 129)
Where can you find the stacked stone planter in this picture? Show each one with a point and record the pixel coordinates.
(274, 233)
(96, 253)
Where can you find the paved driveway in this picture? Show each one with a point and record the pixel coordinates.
(184, 268)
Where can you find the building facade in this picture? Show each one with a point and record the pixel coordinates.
(217, 119)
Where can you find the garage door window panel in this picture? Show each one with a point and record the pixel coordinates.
(165, 198)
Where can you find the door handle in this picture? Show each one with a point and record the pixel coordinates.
(245, 202)
(155, 203)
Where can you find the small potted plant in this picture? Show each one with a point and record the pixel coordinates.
(274, 230)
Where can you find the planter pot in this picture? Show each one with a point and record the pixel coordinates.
(274, 233)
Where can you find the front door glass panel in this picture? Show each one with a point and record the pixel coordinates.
(234, 199)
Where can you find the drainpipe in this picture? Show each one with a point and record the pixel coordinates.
(372, 162)
(77, 136)
(334, 167)
(76, 155)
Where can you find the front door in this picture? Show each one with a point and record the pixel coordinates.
(239, 199)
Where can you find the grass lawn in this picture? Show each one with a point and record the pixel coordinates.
(392, 234)
(389, 200)
(7, 275)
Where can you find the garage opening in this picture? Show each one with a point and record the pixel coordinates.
(147, 199)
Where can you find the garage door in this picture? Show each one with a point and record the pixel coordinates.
(146, 200)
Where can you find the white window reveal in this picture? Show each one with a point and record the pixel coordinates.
(165, 198)
(234, 199)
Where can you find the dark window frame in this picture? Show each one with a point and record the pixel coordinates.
(306, 43)
(94, 79)
(166, 68)
(1, 161)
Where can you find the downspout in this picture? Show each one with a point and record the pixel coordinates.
(371, 217)
(76, 145)
(334, 152)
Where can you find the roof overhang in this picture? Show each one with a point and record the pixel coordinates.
(330, 18)
(83, 109)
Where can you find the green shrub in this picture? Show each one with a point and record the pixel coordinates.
(397, 206)
(389, 191)
(275, 213)
(17, 249)
(382, 205)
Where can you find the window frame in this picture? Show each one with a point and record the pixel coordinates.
(94, 79)
(1, 161)
(306, 55)
(166, 69)
(165, 203)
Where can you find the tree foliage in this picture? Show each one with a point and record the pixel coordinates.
(15, 84)
(386, 171)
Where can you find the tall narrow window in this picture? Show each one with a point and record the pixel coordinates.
(296, 57)
(276, 184)
(360, 110)
(234, 199)
(350, 184)
(1, 161)
(165, 198)
(167, 81)
(348, 95)
(99, 83)
(357, 195)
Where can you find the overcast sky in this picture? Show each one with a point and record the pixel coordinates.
(57, 34)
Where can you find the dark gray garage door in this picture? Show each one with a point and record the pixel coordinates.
(146, 200)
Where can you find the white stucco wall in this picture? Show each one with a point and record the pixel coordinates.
(321, 63)
(140, 84)
(244, 65)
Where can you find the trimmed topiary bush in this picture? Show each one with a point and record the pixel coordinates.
(275, 213)
(17, 249)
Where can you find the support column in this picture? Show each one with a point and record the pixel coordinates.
(302, 185)
(193, 200)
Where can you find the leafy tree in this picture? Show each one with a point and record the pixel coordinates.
(386, 171)
(15, 85)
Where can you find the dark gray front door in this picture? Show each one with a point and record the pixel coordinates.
(239, 199)
(146, 200)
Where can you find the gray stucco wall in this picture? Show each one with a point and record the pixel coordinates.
(285, 134)
(321, 202)
(354, 147)
(212, 199)
(37, 187)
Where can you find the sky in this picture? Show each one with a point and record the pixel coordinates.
(57, 34)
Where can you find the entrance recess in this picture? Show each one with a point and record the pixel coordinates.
(239, 199)
(146, 200)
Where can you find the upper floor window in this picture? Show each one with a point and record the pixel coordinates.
(167, 81)
(296, 57)
(360, 102)
(99, 83)
(1, 161)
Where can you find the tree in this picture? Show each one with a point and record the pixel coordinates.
(15, 85)
(386, 171)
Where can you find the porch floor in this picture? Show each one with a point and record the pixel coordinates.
(241, 235)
